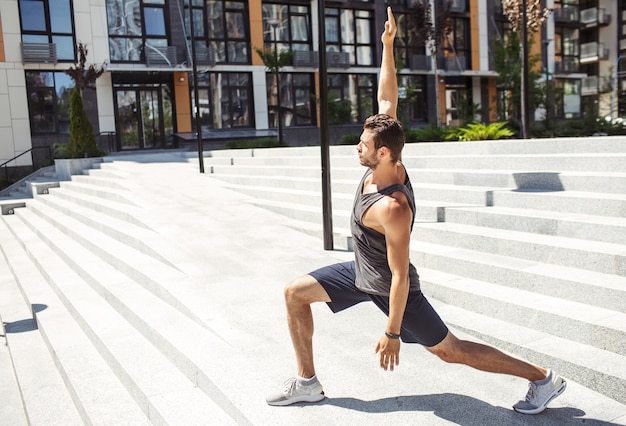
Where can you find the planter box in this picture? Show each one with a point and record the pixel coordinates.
(66, 167)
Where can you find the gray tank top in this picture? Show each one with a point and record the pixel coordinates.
(370, 249)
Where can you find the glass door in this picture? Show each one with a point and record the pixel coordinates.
(144, 117)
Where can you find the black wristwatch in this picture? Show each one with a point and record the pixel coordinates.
(392, 336)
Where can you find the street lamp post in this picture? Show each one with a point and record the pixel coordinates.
(274, 24)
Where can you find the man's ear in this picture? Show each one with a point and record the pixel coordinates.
(384, 151)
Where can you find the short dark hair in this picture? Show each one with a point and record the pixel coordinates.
(388, 132)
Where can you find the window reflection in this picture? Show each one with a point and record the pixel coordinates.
(350, 31)
(49, 101)
(51, 24)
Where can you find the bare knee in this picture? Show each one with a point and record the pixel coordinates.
(305, 290)
(450, 349)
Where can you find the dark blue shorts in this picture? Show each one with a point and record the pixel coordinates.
(420, 324)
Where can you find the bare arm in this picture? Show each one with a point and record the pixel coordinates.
(396, 219)
(388, 83)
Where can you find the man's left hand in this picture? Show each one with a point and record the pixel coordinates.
(389, 352)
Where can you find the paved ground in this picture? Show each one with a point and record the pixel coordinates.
(240, 257)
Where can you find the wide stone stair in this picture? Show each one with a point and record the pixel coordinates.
(519, 243)
(106, 346)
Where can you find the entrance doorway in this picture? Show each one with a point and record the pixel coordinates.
(144, 117)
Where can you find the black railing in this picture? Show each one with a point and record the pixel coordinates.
(107, 141)
(34, 167)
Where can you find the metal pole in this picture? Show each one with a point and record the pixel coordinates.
(194, 71)
(525, 87)
(327, 209)
(280, 124)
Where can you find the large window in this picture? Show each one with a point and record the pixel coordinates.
(458, 43)
(293, 26)
(221, 26)
(297, 99)
(49, 101)
(49, 21)
(351, 31)
(412, 105)
(225, 100)
(407, 43)
(136, 26)
(350, 97)
(567, 104)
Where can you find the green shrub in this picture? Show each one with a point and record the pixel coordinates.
(352, 139)
(480, 132)
(82, 139)
(254, 143)
(430, 133)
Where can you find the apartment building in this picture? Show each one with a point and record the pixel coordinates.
(145, 99)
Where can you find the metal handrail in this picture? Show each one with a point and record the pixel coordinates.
(5, 164)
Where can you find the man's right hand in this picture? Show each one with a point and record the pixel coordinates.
(390, 28)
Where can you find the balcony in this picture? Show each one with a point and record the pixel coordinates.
(305, 59)
(566, 66)
(157, 56)
(39, 53)
(338, 59)
(205, 56)
(453, 63)
(594, 17)
(458, 6)
(566, 15)
(593, 52)
(420, 62)
(590, 85)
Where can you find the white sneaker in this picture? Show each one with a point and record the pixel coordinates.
(541, 393)
(296, 391)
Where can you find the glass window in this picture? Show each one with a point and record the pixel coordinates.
(350, 31)
(49, 22)
(297, 99)
(134, 26)
(223, 27)
(225, 100)
(49, 101)
(293, 31)
(350, 97)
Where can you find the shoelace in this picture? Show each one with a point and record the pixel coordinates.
(532, 391)
(290, 386)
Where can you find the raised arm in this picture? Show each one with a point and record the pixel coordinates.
(388, 83)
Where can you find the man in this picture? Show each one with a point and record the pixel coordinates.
(381, 223)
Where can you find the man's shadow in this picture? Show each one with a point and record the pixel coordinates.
(465, 410)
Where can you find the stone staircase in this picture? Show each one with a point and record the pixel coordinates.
(108, 348)
(107, 322)
(519, 243)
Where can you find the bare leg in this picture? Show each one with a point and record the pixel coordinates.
(298, 297)
(485, 358)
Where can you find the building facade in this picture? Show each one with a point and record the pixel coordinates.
(145, 99)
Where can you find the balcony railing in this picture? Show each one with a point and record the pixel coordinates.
(457, 6)
(590, 85)
(39, 53)
(161, 56)
(594, 51)
(338, 59)
(453, 63)
(306, 58)
(205, 56)
(566, 15)
(420, 62)
(566, 66)
(594, 16)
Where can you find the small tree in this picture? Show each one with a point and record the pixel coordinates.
(82, 139)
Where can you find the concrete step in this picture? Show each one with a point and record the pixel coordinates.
(109, 194)
(120, 211)
(571, 225)
(600, 370)
(567, 283)
(590, 203)
(82, 247)
(93, 386)
(126, 324)
(595, 256)
(578, 322)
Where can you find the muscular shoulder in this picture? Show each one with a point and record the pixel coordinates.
(390, 212)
